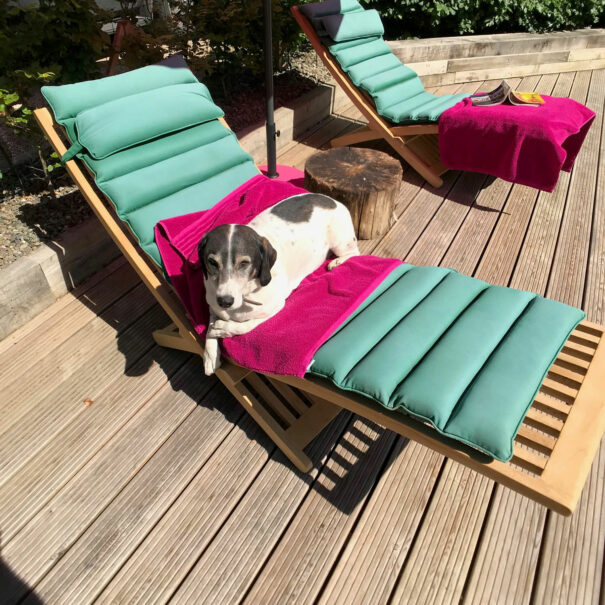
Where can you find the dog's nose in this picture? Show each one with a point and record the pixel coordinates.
(224, 301)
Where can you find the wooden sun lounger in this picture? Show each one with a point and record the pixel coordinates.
(417, 144)
(553, 450)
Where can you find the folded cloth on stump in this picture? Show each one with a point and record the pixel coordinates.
(522, 144)
(327, 297)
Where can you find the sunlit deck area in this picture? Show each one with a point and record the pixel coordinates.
(127, 476)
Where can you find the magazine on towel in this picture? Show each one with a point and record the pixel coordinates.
(505, 94)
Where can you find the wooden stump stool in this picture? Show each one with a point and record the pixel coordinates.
(366, 181)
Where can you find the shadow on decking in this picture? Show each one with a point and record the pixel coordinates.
(13, 585)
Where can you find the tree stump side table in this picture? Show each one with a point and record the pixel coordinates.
(366, 181)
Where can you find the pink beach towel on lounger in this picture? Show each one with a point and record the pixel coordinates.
(521, 144)
(285, 343)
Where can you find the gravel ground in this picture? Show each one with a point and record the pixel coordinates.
(30, 215)
(28, 218)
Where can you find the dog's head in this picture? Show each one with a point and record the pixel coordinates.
(235, 259)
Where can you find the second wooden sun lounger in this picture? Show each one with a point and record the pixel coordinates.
(412, 134)
(556, 442)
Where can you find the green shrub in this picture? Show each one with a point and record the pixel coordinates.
(233, 30)
(59, 36)
(424, 18)
(221, 39)
(18, 117)
(56, 40)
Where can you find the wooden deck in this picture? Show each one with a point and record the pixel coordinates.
(126, 476)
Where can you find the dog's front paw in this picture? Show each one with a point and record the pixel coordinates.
(211, 365)
(221, 329)
(212, 357)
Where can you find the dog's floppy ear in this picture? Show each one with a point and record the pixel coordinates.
(268, 256)
(200, 250)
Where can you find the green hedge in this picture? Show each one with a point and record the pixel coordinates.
(424, 18)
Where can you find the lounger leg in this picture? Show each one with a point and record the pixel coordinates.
(363, 134)
(171, 338)
(431, 172)
(292, 421)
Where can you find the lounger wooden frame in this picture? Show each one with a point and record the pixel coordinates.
(553, 450)
(417, 144)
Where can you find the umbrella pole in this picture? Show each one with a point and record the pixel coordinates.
(271, 132)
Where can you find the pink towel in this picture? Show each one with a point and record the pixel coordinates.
(285, 343)
(526, 145)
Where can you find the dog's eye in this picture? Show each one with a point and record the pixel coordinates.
(243, 264)
(212, 263)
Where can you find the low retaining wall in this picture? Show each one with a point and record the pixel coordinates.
(442, 61)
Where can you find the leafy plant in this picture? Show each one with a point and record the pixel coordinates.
(62, 36)
(221, 39)
(58, 40)
(19, 118)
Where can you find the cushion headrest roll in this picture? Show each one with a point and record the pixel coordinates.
(315, 10)
(351, 26)
(135, 119)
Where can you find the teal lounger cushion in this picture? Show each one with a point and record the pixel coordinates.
(354, 37)
(451, 350)
(152, 139)
(447, 349)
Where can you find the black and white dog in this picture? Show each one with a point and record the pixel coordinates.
(250, 270)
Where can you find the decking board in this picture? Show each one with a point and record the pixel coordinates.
(22, 349)
(571, 565)
(369, 567)
(72, 447)
(516, 195)
(69, 355)
(224, 574)
(156, 569)
(570, 260)
(115, 534)
(59, 525)
(301, 562)
(38, 425)
(36, 327)
(515, 524)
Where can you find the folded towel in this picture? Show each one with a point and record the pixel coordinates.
(521, 144)
(285, 343)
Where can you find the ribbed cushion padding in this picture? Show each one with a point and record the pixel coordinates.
(351, 35)
(166, 152)
(451, 350)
